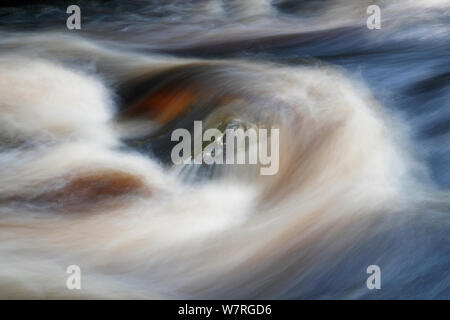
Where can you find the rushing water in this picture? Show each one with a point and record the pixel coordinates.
(85, 171)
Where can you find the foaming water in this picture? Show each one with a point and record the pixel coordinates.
(86, 176)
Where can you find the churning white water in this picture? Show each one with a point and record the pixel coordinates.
(85, 182)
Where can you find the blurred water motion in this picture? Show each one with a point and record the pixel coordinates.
(86, 178)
